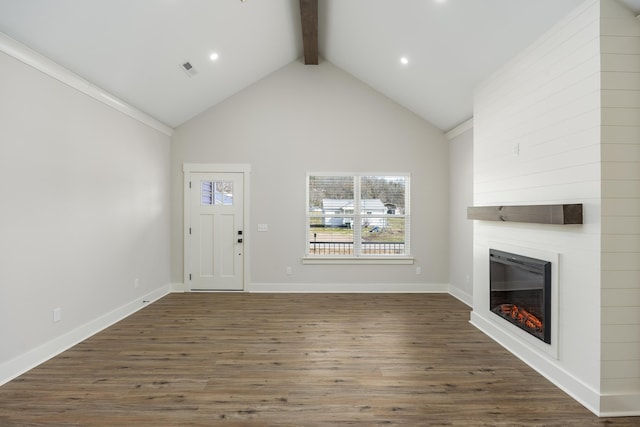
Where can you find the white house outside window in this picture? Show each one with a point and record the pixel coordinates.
(357, 216)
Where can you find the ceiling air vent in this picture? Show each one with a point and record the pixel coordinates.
(188, 68)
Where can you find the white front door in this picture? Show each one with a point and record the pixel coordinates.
(216, 232)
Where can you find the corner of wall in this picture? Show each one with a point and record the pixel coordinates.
(461, 295)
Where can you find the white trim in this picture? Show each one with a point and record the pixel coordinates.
(459, 130)
(620, 405)
(365, 173)
(217, 167)
(29, 360)
(461, 295)
(357, 257)
(544, 365)
(245, 170)
(382, 288)
(41, 63)
(186, 217)
(362, 260)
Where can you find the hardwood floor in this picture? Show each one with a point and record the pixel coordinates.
(291, 360)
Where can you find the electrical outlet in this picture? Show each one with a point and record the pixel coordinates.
(57, 314)
(289, 271)
(136, 283)
(418, 270)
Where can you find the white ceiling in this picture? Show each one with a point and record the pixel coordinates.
(134, 48)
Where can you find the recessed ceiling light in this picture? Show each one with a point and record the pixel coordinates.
(214, 56)
(404, 60)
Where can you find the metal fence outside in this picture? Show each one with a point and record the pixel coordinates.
(346, 248)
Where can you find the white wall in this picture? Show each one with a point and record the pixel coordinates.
(85, 211)
(545, 106)
(570, 105)
(620, 41)
(311, 119)
(460, 228)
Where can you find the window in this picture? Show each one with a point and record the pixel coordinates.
(357, 216)
(216, 193)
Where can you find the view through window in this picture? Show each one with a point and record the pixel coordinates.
(357, 215)
(216, 193)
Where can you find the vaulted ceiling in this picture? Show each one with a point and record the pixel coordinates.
(135, 48)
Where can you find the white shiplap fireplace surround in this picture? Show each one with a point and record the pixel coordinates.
(560, 124)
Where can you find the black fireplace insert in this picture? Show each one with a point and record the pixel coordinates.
(521, 292)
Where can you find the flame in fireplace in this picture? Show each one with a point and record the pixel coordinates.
(520, 316)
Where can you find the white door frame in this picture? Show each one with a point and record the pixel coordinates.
(187, 169)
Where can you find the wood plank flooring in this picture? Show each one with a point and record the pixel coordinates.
(238, 359)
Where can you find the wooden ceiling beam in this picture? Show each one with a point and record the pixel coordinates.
(309, 18)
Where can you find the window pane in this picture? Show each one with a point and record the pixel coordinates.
(384, 236)
(333, 239)
(378, 227)
(386, 191)
(331, 194)
(206, 192)
(224, 193)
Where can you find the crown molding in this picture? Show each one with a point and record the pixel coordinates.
(41, 63)
(459, 130)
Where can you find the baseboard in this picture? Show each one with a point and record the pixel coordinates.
(349, 287)
(461, 295)
(620, 405)
(543, 364)
(29, 360)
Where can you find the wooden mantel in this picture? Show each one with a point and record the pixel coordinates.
(539, 214)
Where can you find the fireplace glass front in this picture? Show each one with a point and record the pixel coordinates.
(521, 292)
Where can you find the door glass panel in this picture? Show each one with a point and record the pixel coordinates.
(216, 193)
(206, 192)
(224, 193)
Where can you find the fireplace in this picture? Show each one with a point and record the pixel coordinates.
(521, 292)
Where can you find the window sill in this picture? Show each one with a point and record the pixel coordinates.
(358, 260)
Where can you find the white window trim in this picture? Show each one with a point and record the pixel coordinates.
(405, 259)
(365, 260)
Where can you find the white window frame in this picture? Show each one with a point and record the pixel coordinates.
(357, 257)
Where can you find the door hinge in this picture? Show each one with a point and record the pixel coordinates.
(189, 230)
(189, 276)
(189, 184)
